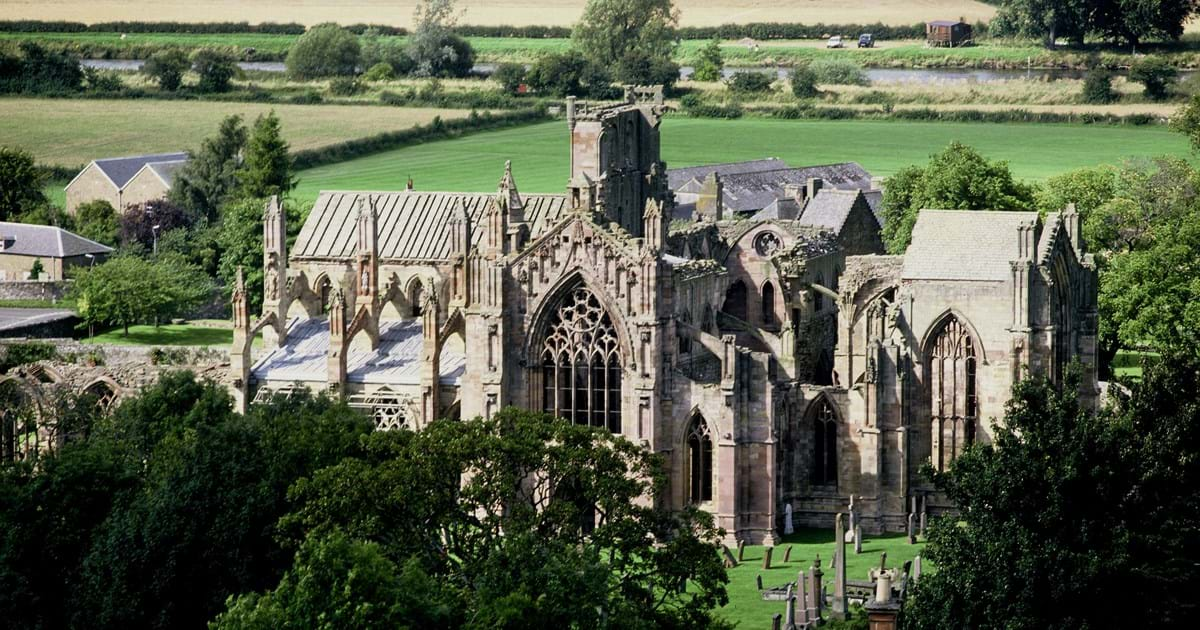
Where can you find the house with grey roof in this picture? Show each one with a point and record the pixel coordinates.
(745, 188)
(124, 181)
(58, 250)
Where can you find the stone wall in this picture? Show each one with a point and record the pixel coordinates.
(33, 290)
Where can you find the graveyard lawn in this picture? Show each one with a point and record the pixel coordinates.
(165, 335)
(746, 606)
(476, 162)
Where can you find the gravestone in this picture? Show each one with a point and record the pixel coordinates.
(814, 587)
(853, 531)
(912, 530)
(741, 549)
(787, 554)
(767, 557)
(858, 540)
(791, 608)
(802, 614)
(727, 555)
(839, 580)
(787, 519)
(922, 519)
(776, 622)
(916, 568)
(758, 579)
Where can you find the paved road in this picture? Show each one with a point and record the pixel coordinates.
(19, 317)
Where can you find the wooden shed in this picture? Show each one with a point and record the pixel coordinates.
(947, 33)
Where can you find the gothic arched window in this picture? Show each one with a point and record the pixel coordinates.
(417, 299)
(768, 303)
(581, 363)
(824, 423)
(953, 398)
(700, 461)
(324, 289)
(735, 300)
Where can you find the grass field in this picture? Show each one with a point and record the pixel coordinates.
(539, 152)
(165, 335)
(516, 12)
(746, 606)
(73, 132)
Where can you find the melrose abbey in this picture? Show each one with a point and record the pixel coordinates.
(779, 365)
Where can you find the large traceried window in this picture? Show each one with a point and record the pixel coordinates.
(953, 398)
(824, 423)
(581, 363)
(700, 461)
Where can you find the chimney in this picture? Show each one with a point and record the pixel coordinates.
(814, 184)
(710, 201)
(794, 192)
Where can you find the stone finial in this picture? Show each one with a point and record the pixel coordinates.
(509, 195)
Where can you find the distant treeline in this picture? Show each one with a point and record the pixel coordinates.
(754, 30)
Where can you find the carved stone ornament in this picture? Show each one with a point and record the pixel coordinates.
(767, 243)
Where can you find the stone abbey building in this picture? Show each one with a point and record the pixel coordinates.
(779, 364)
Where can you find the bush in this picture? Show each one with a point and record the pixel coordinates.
(382, 71)
(711, 62)
(804, 82)
(838, 72)
(1156, 76)
(22, 353)
(376, 50)
(568, 74)
(510, 76)
(345, 86)
(750, 82)
(694, 105)
(97, 220)
(643, 69)
(326, 50)
(95, 80)
(215, 68)
(1097, 87)
(167, 67)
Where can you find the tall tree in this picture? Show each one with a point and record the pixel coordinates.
(210, 175)
(167, 67)
(215, 68)
(1133, 21)
(1045, 20)
(267, 169)
(635, 38)
(240, 242)
(1073, 518)
(957, 178)
(20, 183)
(434, 48)
(325, 50)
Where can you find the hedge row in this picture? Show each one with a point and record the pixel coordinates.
(755, 30)
(962, 115)
(474, 99)
(437, 130)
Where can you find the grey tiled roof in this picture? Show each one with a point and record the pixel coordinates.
(829, 208)
(45, 240)
(786, 209)
(412, 225)
(122, 169)
(166, 170)
(677, 177)
(965, 245)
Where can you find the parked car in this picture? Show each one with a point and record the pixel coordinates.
(835, 42)
(866, 40)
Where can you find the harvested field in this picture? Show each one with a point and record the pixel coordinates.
(73, 132)
(513, 12)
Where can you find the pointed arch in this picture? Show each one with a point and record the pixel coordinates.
(43, 374)
(105, 391)
(939, 322)
(323, 291)
(20, 419)
(735, 300)
(951, 369)
(823, 421)
(698, 445)
(768, 303)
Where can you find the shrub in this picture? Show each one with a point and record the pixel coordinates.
(750, 82)
(215, 68)
(694, 105)
(326, 50)
(804, 82)
(95, 80)
(22, 353)
(1156, 76)
(307, 97)
(345, 86)
(382, 71)
(1097, 86)
(710, 64)
(568, 74)
(167, 67)
(390, 51)
(97, 220)
(510, 76)
(39, 70)
(838, 72)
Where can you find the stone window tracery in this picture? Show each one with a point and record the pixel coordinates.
(824, 423)
(953, 396)
(767, 243)
(581, 363)
(700, 461)
(387, 408)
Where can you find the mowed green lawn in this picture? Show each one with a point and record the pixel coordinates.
(165, 335)
(746, 606)
(539, 152)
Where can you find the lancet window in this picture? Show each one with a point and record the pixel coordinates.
(700, 461)
(581, 363)
(953, 394)
(824, 424)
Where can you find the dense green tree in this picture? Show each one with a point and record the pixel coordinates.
(325, 50)
(710, 62)
(240, 242)
(1187, 122)
(568, 74)
(1097, 86)
(47, 214)
(167, 68)
(38, 70)
(379, 49)
(141, 226)
(36, 269)
(1156, 76)
(267, 169)
(20, 183)
(803, 82)
(1044, 20)
(957, 178)
(433, 47)
(97, 220)
(635, 38)
(750, 82)
(1071, 518)
(127, 290)
(510, 76)
(1133, 21)
(210, 176)
(215, 68)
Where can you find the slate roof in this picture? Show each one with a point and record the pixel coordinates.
(412, 225)
(46, 241)
(786, 209)
(122, 169)
(397, 360)
(677, 177)
(166, 170)
(829, 208)
(965, 245)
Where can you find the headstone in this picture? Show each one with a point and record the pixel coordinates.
(922, 520)
(913, 502)
(858, 539)
(741, 549)
(727, 555)
(776, 622)
(787, 519)
(791, 608)
(758, 579)
(839, 579)
(916, 568)
(802, 613)
(912, 528)
(853, 520)
(815, 587)
(767, 557)
(787, 554)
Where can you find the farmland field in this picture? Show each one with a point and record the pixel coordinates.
(69, 132)
(538, 152)
(515, 12)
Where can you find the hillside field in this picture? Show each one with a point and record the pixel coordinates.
(513, 12)
(538, 152)
(72, 132)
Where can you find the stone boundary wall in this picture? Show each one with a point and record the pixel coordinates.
(33, 290)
